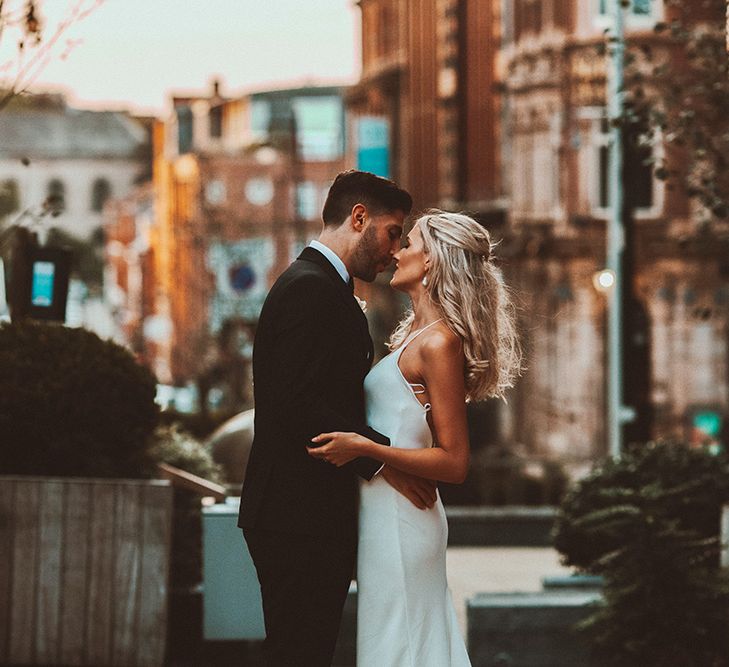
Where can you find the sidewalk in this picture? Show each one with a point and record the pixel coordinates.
(474, 570)
(471, 570)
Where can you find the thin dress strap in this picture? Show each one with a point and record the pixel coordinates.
(417, 387)
(416, 333)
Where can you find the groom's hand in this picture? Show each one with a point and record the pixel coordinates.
(420, 492)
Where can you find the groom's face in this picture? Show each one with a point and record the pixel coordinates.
(379, 241)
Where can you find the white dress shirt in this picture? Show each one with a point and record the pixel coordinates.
(333, 258)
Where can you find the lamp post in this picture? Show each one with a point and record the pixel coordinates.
(615, 241)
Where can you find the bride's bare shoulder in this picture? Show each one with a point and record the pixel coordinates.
(440, 342)
(442, 361)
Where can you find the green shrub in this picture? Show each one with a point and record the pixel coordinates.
(72, 404)
(197, 424)
(649, 524)
(177, 447)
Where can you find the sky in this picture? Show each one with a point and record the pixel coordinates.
(134, 53)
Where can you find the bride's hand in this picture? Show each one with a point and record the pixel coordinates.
(338, 448)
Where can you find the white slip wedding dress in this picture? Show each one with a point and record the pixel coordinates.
(405, 614)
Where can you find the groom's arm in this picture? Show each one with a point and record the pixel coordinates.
(302, 366)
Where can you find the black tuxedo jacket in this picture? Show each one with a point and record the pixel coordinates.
(310, 356)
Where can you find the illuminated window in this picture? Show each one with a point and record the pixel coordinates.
(319, 124)
(637, 7)
(642, 7)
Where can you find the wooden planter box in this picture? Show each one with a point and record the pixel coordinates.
(83, 571)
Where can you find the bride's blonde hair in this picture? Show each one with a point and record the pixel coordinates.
(468, 288)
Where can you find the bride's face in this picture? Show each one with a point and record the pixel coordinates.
(410, 262)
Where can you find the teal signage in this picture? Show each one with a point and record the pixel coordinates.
(708, 422)
(373, 145)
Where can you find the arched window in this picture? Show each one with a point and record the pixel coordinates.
(56, 198)
(9, 197)
(100, 192)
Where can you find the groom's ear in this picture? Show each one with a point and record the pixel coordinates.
(359, 215)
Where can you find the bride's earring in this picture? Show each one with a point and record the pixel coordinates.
(425, 281)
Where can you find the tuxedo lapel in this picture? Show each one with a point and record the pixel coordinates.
(310, 254)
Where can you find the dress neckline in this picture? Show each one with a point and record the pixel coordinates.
(398, 353)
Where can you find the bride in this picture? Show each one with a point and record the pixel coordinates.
(458, 343)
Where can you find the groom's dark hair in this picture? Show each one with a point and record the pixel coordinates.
(379, 195)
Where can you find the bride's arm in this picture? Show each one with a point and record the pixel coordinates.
(442, 362)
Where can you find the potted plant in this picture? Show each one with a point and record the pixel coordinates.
(648, 523)
(84, 532)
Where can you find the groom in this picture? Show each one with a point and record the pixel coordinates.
(311, 354)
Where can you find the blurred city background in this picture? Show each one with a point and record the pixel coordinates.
(163, 163)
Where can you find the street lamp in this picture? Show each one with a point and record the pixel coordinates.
(604, 281)
(615, 241)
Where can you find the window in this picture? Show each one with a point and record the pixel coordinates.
(56, 196)
(319, 127)
(306, 201)
(261, 114)
(100, 192)
(603, 198)
(387, 32)
(536, 187)
(527, 17)
(600, 195)
(184, 129)
(603, 167)
(642, 7)
(637, 7)
(216, 122)
(562, 13)
(9, 197)
(507, 22)
(637, 156)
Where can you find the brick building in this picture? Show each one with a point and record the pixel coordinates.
(499, 109)
(238, 188)
(558, 192)
(427, 101)
(429, 71)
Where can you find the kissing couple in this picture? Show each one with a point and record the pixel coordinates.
(329, 424)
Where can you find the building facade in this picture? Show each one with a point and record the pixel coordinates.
(429, 84)
(499, 109)
(238, 187)
(557, 186)
(77, 158)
